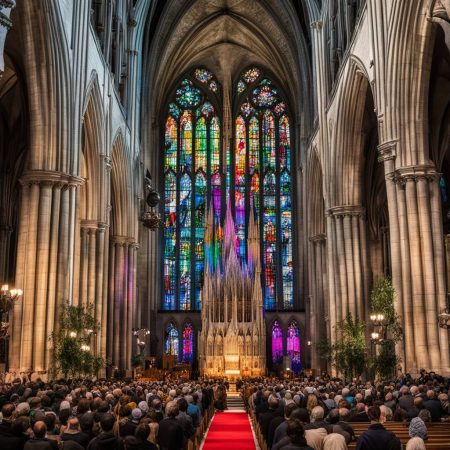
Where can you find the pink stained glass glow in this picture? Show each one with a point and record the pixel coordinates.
(277, 343)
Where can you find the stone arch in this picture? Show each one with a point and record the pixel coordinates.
(316, 205)
(121, 198)
(347, 161)
(407, 72)
(52, 131)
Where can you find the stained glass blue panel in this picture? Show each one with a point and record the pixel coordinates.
(185, 242)
(172, 341)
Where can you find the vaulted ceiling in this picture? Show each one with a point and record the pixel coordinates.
(226, 36)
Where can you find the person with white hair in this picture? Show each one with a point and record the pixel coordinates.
(415, 443)
(334, 441)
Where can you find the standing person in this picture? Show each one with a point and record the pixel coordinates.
(377, 437)
(170, 433)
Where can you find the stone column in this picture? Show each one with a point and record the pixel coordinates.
(122, 298)
(318, 313)
(42, 256)
(349, 256)
(423, 288)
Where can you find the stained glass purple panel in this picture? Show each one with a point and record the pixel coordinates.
(240, 164)
(277, 343)
(188, 344)
(293, 346)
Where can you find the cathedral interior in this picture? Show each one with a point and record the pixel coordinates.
(231, 175)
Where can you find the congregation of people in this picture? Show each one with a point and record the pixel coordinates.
(294, 414)
(105, 415)
(323, 414)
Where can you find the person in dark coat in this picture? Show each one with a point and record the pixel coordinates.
(40, 442)
(377, 437)
(266, 417)
(170, 433)
(296, 434)
(139, 440)
(7, 415)
(360, 413)
(74, 433)
(106, 440)
(434, 406)
(185, 420)
(278, 420)
(129, 427)
(16, 436)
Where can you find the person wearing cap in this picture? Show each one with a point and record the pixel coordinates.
(129, 427)
(418, 428)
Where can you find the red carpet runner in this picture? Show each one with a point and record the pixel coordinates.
(230, 431)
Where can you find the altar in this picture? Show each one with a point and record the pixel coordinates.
(232, 342)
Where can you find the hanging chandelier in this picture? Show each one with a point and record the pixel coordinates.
(149, 218)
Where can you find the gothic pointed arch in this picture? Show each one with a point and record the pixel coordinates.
(172, 341)
(188, 342)
(277, 347)
(261, 180)
(192, 175)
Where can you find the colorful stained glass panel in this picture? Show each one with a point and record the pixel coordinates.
(277, 343)
(171, 144)
(188, 344)
(293, 346)
(172, 341)
(200, 145)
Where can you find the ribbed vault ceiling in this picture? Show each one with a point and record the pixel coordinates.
(225, 36)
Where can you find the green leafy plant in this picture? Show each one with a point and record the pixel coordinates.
(382, 300)
(349, 353)
(72, 342)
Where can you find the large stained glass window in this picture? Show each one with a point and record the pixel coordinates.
(255, 172)
(277, 343)
(293, 345)
(188, 343)
(172, 341)
(192, 176)
(262, 182)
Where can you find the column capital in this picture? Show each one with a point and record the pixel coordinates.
(387, 151)
(317, 25)
(122, 240)
(346, 210)
(50, 177)
(415, 173)
(321, 237)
